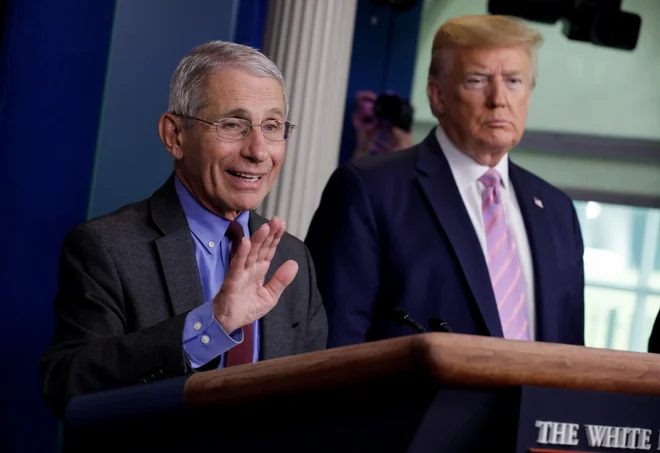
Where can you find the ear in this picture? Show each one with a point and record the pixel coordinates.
(436, 96)
(170, 128)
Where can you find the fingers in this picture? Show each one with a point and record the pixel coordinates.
(262, 240)
(257, 240)
(282, 278)
(270, 252)
(261, 246)
(237, 263)
(276, 224)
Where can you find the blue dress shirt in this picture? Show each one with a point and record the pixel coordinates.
(204, 339)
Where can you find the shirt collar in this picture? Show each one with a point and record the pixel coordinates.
(205, 225)
(466, 170)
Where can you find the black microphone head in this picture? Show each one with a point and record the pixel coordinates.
(399, 315)
(403, 318)
(438, 325)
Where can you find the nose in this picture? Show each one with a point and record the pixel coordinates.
(497, 93)
(255, 146)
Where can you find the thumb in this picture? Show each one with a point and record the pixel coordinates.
(282, 278)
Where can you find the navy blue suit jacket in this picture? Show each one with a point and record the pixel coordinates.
(392, 231)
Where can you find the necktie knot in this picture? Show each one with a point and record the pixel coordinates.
(491, 179)
(235, 235)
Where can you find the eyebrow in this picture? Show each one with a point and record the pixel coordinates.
(243, 113)
(484, 74)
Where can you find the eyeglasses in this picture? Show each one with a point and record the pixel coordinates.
(239, 128)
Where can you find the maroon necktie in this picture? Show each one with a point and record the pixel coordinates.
(242, 353)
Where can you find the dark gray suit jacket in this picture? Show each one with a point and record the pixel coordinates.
(127, 281)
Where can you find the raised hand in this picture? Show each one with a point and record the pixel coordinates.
(243, 297)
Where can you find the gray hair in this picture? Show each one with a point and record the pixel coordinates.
(187, 88)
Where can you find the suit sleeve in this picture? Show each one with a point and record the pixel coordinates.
(343, 241)
(577, 319)
(317, 323)
(91, 348)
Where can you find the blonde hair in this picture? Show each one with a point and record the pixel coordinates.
(482, 31)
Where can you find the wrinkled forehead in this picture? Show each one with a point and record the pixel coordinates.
(243, 94)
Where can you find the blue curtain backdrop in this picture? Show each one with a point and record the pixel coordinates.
(52, 66)
(251, 22)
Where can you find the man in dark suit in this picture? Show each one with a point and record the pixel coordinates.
(191, 278)
(451, 228)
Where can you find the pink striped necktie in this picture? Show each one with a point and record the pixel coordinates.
(503, 261)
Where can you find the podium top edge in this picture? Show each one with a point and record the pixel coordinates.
(448, 358)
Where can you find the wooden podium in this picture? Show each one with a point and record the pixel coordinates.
(438, 392)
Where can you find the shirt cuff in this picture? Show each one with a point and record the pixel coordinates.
(204, 339)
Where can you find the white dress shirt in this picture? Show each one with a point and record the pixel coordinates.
(466, 173)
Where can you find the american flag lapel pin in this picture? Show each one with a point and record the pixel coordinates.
(538, 202)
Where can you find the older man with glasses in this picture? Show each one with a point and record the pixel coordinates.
(191, 278)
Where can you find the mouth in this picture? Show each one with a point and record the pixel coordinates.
(246, 176)
(497, 122)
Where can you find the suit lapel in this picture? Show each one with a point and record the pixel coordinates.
(439, 187)
(176, 250)
(536, 218)
(273, 325)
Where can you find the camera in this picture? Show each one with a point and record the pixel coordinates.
(396, 5)
(394, 110)
(600, 22)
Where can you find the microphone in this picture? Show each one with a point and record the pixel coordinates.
(438, 324)
(402, 317)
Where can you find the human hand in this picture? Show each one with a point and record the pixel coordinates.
(243, 297)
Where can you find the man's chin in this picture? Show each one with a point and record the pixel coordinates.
(242, 202)
(502, 142)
